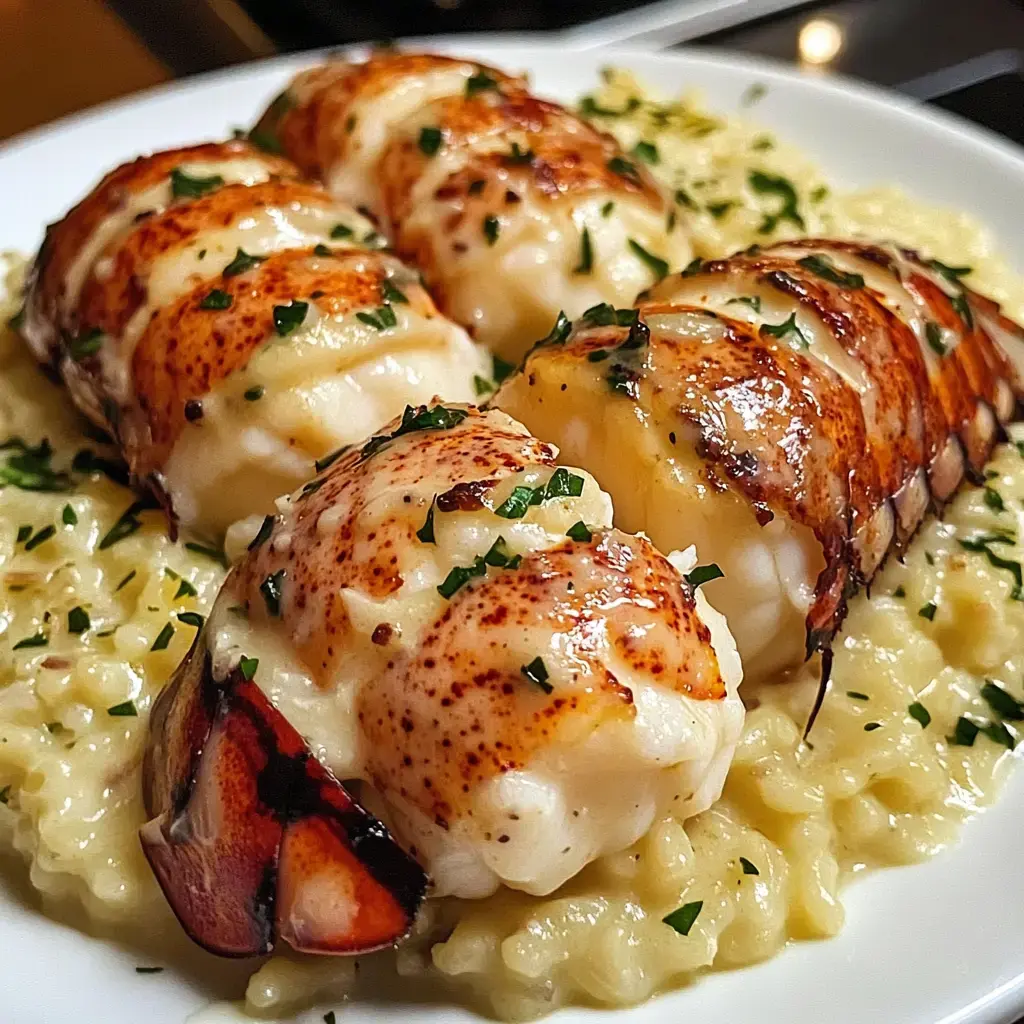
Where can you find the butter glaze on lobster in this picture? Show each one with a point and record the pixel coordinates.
(512, 206)
(222, 320)
(515, 701)
(794, 411)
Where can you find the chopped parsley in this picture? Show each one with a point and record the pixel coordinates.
(163, 638)
(460, 575)
(216, 299)
(183, 186)
(382, 318)
(5, 795)
(704, 574)
(857, 695)
(24, 532)
(749, 868)
(501, 369)
(191, 619)
(819, 193)
(586, 263)
(476, 186)
(1004, 704)
(920, 714)
(30, 468)
(126, 525)
(287, 318)
(36, 640)
(481, 385)
(646, 152)
(390, 294)
(824, 268)
(964, 733)
(341, 231)
(623, 168)
(492, 228)
(695, 266)
(983, 543)
(127, 709)
(562, 484)
(994, 500)
(682, 197)
(429, 140)
(589, 107)
(124, 583)
(606, 315)
(933, 335)
(517, 156)
(767, 184)
(270, 588)
(262, 534)
(606, 210)
(963, 309)
(498, 556)
(255, 393)
(951, 274)
(41, 536)
(927, 611)
(322, 250)
(425, 534)
(242, 263)
(88, 343)
(562, 328)
(788, 326)
(248, 666)
(148, 970)
(437, 417)
(872, 726)
(185, 589)
(579, 531)
(762, 144)
(78, 620)
(900, 591)
(682, 919)
(537, 673)
(753, 301)
(719, 210)
(655, 264)
(480, 82)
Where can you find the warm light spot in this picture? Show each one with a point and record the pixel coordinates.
(819, 41)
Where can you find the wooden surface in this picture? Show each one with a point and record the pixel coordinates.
(59, 56)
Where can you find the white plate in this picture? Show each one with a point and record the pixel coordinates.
(937, 942)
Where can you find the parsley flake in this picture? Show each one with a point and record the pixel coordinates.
(682, 919)
(704, 574)
(537, 673)
(242, 263)
(287, 318)
(216, 299)
(270, 588)
(184, 186)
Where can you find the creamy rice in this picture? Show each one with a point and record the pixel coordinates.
(876, 786)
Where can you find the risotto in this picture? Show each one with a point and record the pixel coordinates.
(97, 606)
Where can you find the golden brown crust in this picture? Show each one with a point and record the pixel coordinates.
(187, 350)
(65, 238)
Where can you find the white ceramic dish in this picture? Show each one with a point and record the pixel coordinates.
(935, 943)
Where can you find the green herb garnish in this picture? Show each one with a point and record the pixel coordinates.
(191, 619)
(41, 536)
(437, 417)
(1004, 704)
(753, 301)
(248, 667)
(480, 82)
(824, 268)
(88, 343)
(786, 327)
(655, 264)
(262, 534)
(579, 531)
(287, 318)
(163, 638)
(647, 152)
(767, 184)
(127, 709)
(430, 140)
(270, 588)
(933, 335)
(682, 919)
(537, 673)
(920, 714)
(586, 263)
(214, 554)
(857, 695)
(704, 574)
(425, 534)
(748, 867)
(927, 611)
(341, 231)
(183, 186)
(216, 299)
(255, 393)
(492, 227)
(242, 263)
(78, 620)
(390, 294)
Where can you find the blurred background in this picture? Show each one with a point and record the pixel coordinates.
(59, 56)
